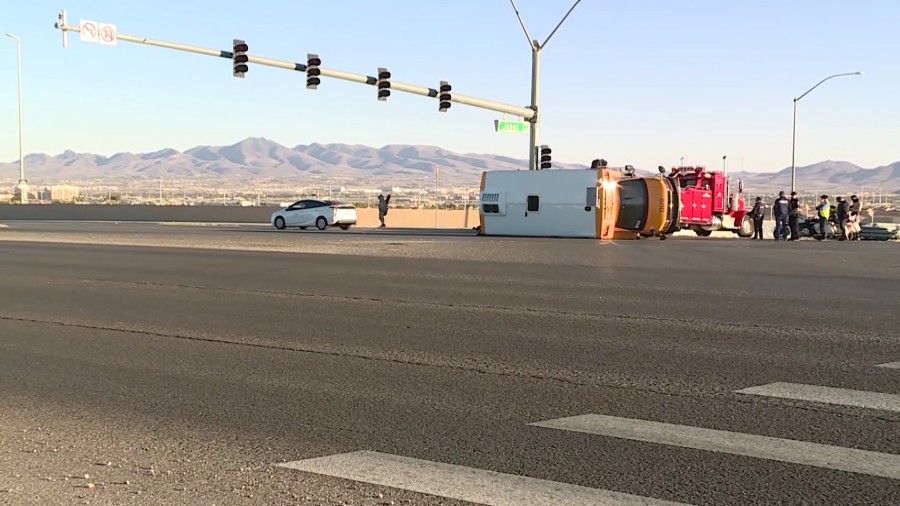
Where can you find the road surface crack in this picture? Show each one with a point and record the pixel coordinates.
(560, 377)
(626, 318)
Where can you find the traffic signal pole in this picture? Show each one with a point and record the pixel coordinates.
(525, 112)
(535, 129)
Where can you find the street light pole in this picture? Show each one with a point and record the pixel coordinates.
(794, 135)
(23, 184)
(536, 47)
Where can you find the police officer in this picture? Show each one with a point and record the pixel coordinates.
(758, 213)
(794, 218)
(824, 209)
(843, 216)
(781, 210)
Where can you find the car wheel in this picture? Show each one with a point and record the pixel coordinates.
(321, 223)
(345, 227)
(279, 223)
(302, 228)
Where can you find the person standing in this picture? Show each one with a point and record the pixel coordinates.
(843, 217)
(781, 209)
(855, 210)
(383, 208)
(794, 218)
(758, 213)
(824, 211)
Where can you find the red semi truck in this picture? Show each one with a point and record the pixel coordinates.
(709, 203)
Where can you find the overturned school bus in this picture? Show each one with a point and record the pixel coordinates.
(600, 202)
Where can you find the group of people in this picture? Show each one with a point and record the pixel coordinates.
(787, 217)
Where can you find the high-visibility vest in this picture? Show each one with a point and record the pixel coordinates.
(824, 210)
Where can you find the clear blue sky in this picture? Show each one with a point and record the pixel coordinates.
(641, 82)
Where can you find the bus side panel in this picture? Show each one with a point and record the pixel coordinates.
(561, 203)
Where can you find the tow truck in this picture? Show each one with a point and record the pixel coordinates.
(709, 203)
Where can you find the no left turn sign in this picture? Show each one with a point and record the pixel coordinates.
(88, 31)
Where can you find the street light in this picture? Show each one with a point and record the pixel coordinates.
(536, 46)
(794, 138)
(23, 184)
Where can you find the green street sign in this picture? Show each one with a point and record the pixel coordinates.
(514, 127)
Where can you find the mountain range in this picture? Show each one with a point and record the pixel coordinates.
(258, 157)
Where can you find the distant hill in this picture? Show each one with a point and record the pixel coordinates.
(258, 157)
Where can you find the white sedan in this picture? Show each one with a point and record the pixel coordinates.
(314, 212)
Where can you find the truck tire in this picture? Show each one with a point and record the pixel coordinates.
(746, 227)
(702, 233)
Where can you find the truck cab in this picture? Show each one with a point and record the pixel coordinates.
(710, 203)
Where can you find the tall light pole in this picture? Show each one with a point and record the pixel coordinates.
(794, 137)
(23, 184)
(536, 47)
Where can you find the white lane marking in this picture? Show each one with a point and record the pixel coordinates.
(827, 395)
(463, 483)
(785, 450)
(892, 365)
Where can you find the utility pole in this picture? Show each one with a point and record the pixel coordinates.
(23, 184)
(536, 47)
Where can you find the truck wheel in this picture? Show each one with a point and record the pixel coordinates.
(702, 233)
(746, 228)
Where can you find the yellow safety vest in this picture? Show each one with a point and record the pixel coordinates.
(825, 210)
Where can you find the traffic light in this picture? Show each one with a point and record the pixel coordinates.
(444, 96)
(383, 83)
(312, 71)
(239, 58)
(544, 155)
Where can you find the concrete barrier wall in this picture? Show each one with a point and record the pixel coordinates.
(367, 217)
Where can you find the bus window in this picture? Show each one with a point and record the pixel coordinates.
(633, 204)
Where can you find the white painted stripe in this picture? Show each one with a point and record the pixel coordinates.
(784, 450)
(892, 365)
(827, 395)
(464, 483)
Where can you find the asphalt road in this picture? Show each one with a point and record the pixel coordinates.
(177, 365)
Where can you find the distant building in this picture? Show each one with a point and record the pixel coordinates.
(60, 193)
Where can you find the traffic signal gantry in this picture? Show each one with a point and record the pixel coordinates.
(382, 82)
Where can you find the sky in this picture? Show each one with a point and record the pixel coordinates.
(640, 82)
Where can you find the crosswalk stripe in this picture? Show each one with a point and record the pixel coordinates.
(463, 483)
(763, 447)
(892, 365)
(827, 395)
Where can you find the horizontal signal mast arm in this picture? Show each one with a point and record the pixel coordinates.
(524, 112)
